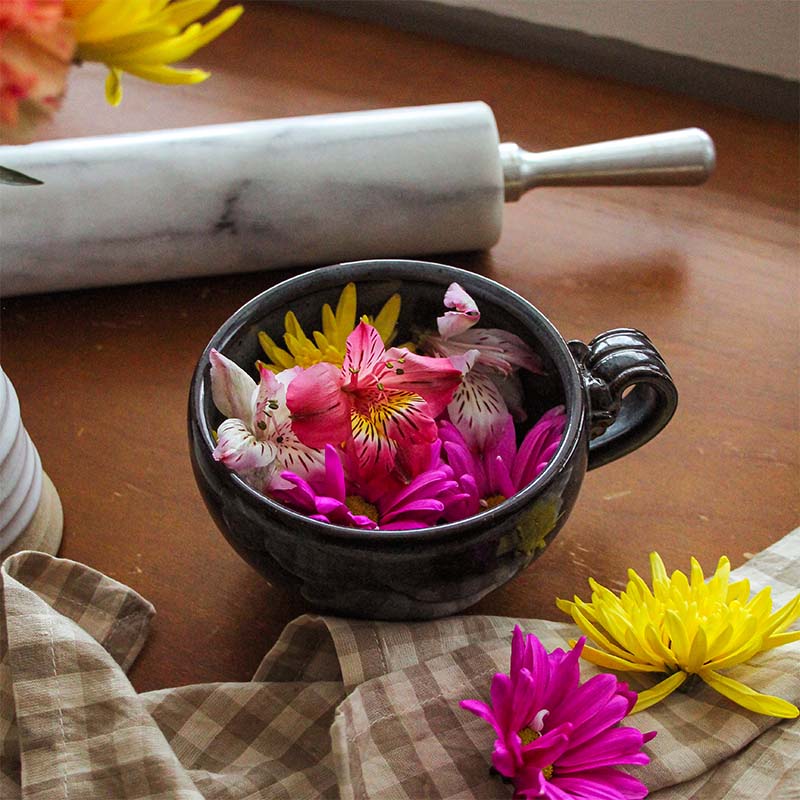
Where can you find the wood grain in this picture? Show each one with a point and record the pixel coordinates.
(710, 273)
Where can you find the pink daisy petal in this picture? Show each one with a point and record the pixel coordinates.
(482, 710)
(406, 525)
(617, 746)
(334, 473)
(602, 780)
(570, 731)
(544, 436)
(581, 704)
(499, 479)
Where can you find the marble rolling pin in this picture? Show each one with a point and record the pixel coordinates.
(291, 192)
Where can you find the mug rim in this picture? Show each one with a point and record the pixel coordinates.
(370, 269)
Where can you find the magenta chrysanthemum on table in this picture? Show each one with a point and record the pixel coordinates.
(558, 738)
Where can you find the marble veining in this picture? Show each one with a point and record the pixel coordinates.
(249, 196)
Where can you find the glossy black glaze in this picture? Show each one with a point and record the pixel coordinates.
(438, 571)
(611, 363)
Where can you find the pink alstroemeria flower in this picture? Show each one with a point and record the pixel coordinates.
(329, 497)
(256, 440)
(490, 387)
(386, 401)
(501, 470)
(555, 737)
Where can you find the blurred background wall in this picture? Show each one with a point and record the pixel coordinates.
(742, 53)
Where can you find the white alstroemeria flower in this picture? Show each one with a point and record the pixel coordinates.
(256, 440)
(490, 358)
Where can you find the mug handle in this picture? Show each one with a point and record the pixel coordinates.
(621, 421)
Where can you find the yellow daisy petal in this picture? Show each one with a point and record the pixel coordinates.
(778, 639)
(697, 652)
(649, 697)
(144, 37)
(613, 662)
(277, 355)
(114, 87)
(386, 320)
(595, 634)
(784, 617)
(183, 12)
(658, 569)
(328, 323)
(330, 344)
(168, 75)
(749, 698)
(685, 625)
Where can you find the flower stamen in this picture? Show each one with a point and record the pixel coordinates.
(358, 505)
(528, 735)
(493, 500)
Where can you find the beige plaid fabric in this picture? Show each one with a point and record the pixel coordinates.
(338, 708)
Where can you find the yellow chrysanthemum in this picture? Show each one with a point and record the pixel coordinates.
(143, 37)
(686, 626)
(329, 345)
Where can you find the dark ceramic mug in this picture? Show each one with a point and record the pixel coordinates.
(437, 571)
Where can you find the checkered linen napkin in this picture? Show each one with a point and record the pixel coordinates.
(338, 708)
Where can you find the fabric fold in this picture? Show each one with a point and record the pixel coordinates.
(337, 708)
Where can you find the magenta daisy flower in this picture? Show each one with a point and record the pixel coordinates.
(502, 469)
(381, 503)
(557, 738)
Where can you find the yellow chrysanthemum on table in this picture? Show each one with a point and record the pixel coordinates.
(328, 345)
(686, 626)
(143, 37)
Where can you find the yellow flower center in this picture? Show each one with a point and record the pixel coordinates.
(528, 735)
(358, 505)
(493, 501)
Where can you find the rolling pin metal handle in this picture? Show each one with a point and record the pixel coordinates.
(683, 157)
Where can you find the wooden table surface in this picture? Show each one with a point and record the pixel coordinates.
(710, 273)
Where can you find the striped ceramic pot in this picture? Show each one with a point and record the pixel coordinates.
(30, 510)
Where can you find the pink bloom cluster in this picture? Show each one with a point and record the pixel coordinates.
(555, 737)
(393, 439)
(36, 48)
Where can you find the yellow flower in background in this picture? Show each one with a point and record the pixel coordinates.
(329, 345)
(686, 626)
(143, 37)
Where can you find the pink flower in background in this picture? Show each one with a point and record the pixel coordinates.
(501, 469)
(256, 440)
(491, 357)
(384, 401)
(384, 504)
(555, 737)
(36, 48)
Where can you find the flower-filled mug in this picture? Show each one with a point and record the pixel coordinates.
(616, 391)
